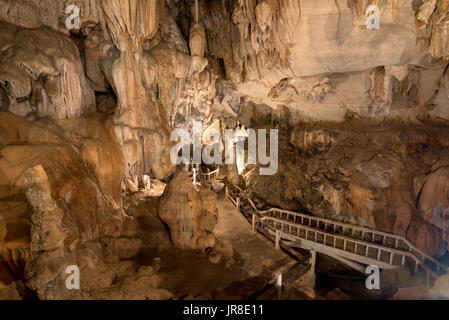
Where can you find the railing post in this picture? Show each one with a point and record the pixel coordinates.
(253, 226)
(366, 235)
(278, 239)
(309, 278)
(279, 286)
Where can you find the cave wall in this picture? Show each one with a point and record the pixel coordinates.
(391, 178)
(362, 113)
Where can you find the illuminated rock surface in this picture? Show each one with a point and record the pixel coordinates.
(86, 116)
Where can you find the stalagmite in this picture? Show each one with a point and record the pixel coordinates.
(95, 94)
(44, 272)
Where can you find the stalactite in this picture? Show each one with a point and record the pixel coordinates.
(130, 23)
(197, 36)
(395, 9)
(290, 12)
(196, 11)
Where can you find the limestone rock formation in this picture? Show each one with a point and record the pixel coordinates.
(191, 215)
(41, 72)
(301, 45)
(370, 188)
(44, 271)
(197, 40)
(94, 53)
(64, 187)
(51, 13)
(86, 115)
(139, 118)
(56, 215)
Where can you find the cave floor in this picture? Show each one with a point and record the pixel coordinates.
(188, 274)
(259, 254)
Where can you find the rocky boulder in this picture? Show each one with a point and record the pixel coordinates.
(190, 215)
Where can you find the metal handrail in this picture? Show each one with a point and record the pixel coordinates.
(412, 252)
(410, 246)
(210, 175)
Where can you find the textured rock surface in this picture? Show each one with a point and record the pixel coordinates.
(301, 42)
(139, 118)
(364, 174)
(41, 72)
(84, 112)
(50, 13)
(45, 269)
(57, 185)
(191, 215)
